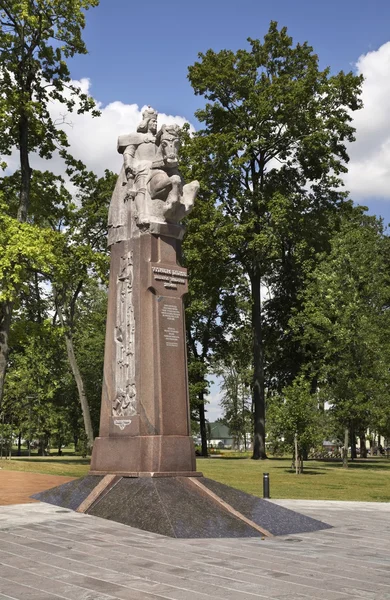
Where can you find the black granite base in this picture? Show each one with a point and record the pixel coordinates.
(275, 519)
(71, 494)
(175, 507)
(169, 507)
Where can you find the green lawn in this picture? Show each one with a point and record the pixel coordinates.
(71, 466)
(364, 480)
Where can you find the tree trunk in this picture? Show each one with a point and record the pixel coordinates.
(25, 170)
(202, 423)
(6, 307)
(345, 449)
(363, 448)
(41, 447)
(296, 454)
(5, 326)
(10, 440)
(259, 449)
(20, 443)
(78, 379)
(353, 442)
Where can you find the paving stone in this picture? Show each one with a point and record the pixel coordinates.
(47, 555)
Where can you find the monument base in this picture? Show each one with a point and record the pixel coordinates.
(179, 507)
(127, 455)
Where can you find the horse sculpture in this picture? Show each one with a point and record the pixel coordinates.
(168, 200)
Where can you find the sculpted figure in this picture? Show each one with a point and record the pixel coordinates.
(150, 188)
(139, 150)
(165, 183)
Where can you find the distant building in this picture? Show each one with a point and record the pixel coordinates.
(219, 436)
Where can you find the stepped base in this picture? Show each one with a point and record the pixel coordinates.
(179, 507)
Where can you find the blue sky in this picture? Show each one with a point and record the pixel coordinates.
(139, 54)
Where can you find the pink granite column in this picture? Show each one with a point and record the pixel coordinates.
(145, 423)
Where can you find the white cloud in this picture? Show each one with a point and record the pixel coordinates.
(369, 167)
(93, 140)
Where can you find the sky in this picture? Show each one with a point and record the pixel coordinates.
(139, 54)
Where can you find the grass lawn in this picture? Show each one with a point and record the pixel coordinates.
(71, 466)
(364, 480)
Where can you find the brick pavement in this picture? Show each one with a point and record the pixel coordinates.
(48, 553)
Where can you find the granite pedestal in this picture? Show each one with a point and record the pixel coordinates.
(179, 507)
(145, 426)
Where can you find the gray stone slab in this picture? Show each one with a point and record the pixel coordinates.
(71, 494)
(47, 585)
(276, 519)
(25, 592)
(168, 507)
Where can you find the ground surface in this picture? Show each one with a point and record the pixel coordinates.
(47, 553)
(364, 480)
(17, 487)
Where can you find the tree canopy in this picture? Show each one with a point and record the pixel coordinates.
(272, 149)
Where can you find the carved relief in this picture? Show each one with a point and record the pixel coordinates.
(122, 423)
(125, 397)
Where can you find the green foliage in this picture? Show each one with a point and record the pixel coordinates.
(24, 247)
(234, 367)
(36, 365)
(344, 324)
(63, 250)
(89, 337)
(36, 39)
(295, 413)
(270, 155)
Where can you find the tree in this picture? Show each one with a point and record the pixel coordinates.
(295, 418)
(84, 259)
(344, 323)
(36, 39)
(275, 129)
(211, 307)
(20, 252)
(234, 367)
(89, 337)
(36, 363)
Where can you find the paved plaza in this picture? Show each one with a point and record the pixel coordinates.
(47, 552)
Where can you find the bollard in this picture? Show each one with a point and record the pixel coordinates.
(265, 485)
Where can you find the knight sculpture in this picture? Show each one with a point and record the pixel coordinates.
(149, 187)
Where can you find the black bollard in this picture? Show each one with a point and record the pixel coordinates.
(265, 485)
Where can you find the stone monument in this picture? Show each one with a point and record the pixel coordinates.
(145, 426)
(143, 462)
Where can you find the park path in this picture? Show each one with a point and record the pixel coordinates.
(16, 487)
(47, 553)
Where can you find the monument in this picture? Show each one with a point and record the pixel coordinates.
(145, 424)
(143, 470)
